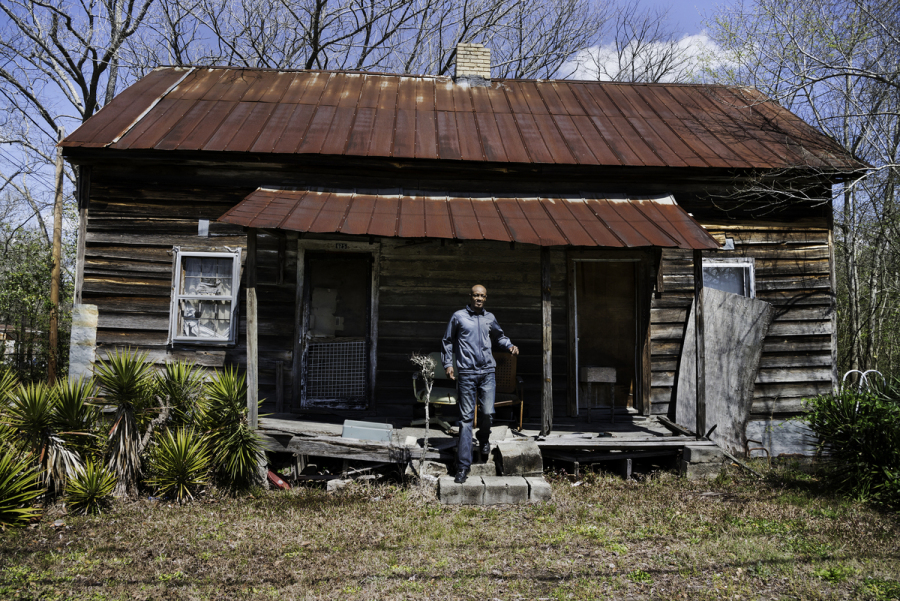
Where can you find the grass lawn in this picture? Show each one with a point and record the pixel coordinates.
(661, 537)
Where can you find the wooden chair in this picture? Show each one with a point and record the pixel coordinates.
(509, 391)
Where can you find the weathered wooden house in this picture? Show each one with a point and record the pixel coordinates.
(359, 209)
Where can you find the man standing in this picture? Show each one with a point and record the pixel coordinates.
(468, 339)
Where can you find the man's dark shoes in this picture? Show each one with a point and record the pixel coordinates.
(461, 475)
(485, 450)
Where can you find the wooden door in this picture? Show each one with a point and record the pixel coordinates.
(335, 361)
(606, 332)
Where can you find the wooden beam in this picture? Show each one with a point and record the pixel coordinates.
(83, 196)
(547, 345)
(279, 386)
(341, 448)
(572, 381)
(252, 341)
(298, 326)
(611, 443)
(700, 345)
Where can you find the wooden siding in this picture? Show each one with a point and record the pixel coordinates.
(793, 274)
(128, 274)
(424, 282)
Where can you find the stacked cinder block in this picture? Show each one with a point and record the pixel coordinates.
(473, 60)
(493, 490)
(702, 462)
(511, 476)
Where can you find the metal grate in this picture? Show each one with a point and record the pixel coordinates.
(336, 370)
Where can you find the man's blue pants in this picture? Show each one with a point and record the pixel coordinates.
(474, 388)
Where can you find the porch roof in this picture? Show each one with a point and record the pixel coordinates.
(589, 219)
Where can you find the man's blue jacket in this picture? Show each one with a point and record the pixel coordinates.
(468, 338)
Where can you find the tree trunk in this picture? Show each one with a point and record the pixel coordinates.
(55, 275)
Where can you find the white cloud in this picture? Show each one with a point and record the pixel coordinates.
(664, 61)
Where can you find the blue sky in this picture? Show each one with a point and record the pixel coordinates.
(688, 13)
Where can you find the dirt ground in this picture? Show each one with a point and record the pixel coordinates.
(660, 537)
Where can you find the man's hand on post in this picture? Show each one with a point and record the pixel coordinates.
(449, 372)
(514, 350)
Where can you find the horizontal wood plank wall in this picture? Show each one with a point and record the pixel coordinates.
(424, 282)
(128, 273)
(792, 273)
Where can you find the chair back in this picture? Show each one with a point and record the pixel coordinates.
(505, 373)
(439, 373)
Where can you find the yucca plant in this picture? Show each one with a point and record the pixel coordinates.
(7, 383)
(236, 448)
(90, 490)
(179, 464)
(76, 415)
(32, 413)
(181, 386)
(126, 383)
(20, 485)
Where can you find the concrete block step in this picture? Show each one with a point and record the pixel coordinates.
(493, 490)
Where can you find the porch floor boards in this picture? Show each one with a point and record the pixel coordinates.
(320, 434)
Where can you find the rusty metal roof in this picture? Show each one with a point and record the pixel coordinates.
(422, 117)
(607, 220)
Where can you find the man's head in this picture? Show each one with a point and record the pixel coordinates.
(478, 296)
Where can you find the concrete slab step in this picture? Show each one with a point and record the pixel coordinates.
(494, 490)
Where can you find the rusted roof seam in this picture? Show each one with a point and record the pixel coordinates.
(674, 133)
(621, 159)
(657, 226)
(600, 219)
(742, 163)
(290, 213)
(150, 108)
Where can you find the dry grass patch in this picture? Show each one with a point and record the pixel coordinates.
(662, 537)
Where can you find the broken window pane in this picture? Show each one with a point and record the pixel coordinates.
(205, 319)
(726, 278)
(209, 317)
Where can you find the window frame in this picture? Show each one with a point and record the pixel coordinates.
(748, 263)
(177, 296)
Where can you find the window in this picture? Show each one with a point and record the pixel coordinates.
(735, 275)
(204, 297)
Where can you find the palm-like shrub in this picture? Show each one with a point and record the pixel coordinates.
(89, 491)
(236, 447)
(179, 464)
(19, 486)
(126, 382)
(7, 384)
(76, 415)
(32, 413)
(181, 386)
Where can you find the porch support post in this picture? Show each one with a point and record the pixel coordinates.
(547, 340)
(83, 195)
(252, 349)
(700, 345)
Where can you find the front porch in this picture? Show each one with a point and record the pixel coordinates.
(572, 444)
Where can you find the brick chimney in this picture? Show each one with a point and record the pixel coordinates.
(473, 62)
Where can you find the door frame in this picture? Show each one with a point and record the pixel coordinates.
(644, 274)
(301, 310)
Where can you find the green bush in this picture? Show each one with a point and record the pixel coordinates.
(180, 384)
(179, 464)
(236, 448)
(77, 417)
(33, 413)
(20, 485)
(860, 432)
(126, 383)
(90, 490)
